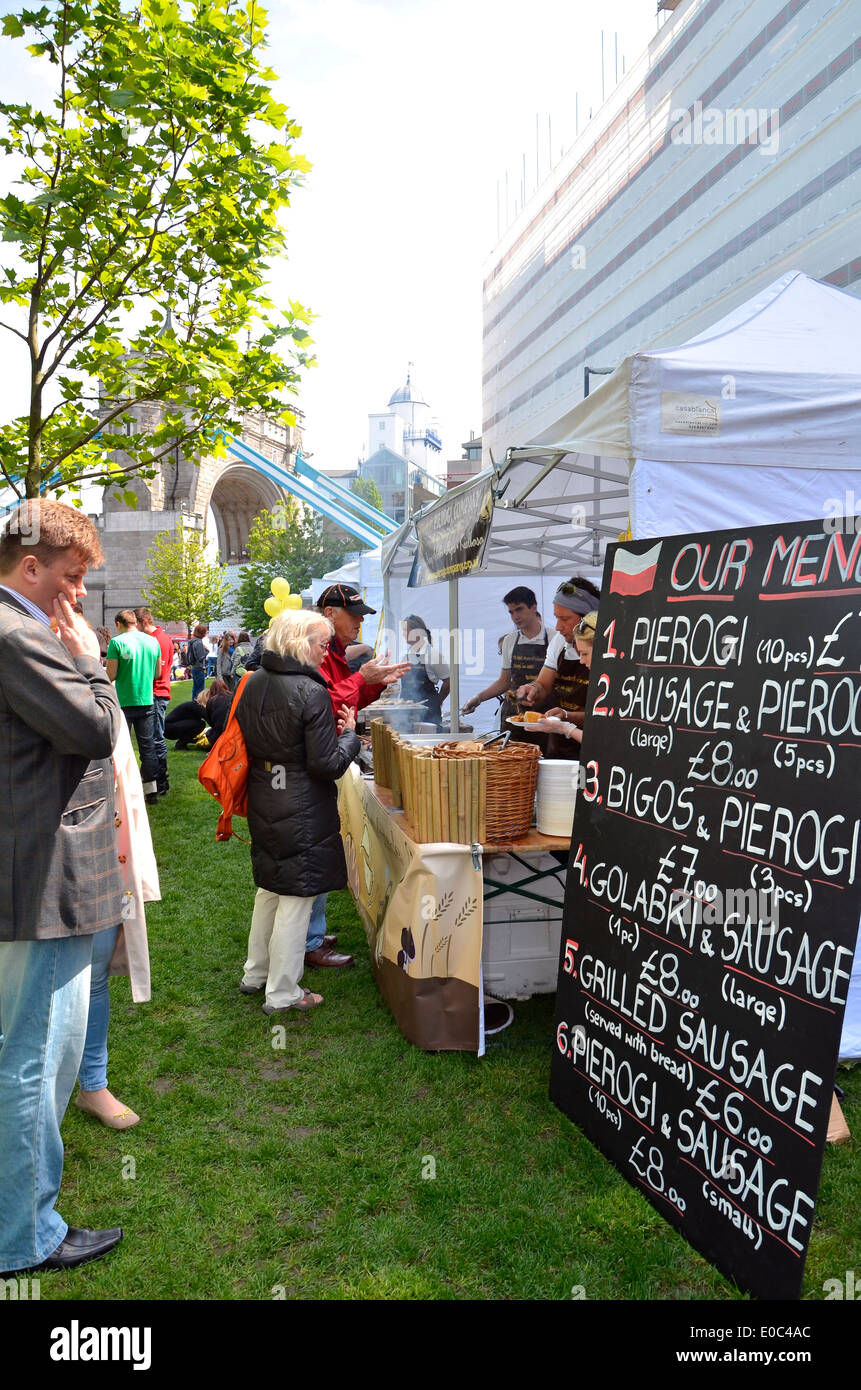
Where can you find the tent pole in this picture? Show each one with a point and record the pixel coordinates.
(454, 655)
(387, 609)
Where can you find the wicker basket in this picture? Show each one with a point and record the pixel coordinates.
(512, 774)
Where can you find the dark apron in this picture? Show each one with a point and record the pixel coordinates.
(417, 685)
(527, 659)
(569, 691)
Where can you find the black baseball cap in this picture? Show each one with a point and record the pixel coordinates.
(343, 596)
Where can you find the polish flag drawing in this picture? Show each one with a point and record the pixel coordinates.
(634, 574)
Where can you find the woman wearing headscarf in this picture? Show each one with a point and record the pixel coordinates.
(572, 720)
(564, 674)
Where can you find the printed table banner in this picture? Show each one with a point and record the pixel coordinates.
(422, 910)
(453, 536)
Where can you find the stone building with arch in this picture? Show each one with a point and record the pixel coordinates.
(220, 495)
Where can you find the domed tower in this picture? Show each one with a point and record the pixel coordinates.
(420, 441)
(404, 452)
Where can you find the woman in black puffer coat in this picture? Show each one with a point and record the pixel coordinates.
(296, 755)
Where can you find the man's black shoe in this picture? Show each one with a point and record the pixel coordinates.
(77, 1248)
(151, 798)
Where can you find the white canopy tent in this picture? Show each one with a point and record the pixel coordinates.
(486, 618)
(757, 420)
(754, 421)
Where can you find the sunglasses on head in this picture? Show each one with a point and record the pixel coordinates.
(584, 629)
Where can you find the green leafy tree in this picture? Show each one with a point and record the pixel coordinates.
(367, 489)
(137, 247)
(180, 586)
(291, 542)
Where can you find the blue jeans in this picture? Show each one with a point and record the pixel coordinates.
(317, 924)
(140, 718)
(93, 1074)
(159, 705)
(198, 680)
(44, 995)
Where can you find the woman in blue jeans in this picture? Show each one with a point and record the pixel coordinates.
(94, 1098)
(139, 875)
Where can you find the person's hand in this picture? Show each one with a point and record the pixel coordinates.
(528, 693)
(74, 631)
(557, 712)
(382, 671)
(470, 705)
(346, 719)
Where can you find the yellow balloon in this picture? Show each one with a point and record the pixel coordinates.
(293, 601)
(280, 588)
(272, 607)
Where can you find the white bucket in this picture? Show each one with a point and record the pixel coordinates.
(557, 795)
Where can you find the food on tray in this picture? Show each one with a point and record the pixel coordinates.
(536, 721)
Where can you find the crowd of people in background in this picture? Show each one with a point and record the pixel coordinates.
(70, 699)
(79, 842)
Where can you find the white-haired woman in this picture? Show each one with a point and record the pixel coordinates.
(296, 754)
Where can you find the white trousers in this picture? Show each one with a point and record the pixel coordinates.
(276, 946)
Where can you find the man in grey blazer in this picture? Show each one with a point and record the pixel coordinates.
(59, 719)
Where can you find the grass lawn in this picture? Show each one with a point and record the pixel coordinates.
(260, 1169)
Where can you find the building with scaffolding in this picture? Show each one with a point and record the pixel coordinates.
(727, 155)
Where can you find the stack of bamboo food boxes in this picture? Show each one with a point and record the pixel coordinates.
(457, 792)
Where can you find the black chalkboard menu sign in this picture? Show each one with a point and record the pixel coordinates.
(714, 882)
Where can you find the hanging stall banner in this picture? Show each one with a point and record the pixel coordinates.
(714, 884)
(452, 537)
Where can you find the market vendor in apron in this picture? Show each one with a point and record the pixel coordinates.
(427, 681)
(571, 726)
(563, 681)
(523, 654)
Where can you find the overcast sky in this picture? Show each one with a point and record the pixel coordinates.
(412, 110)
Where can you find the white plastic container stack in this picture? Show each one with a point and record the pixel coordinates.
(557, 793)
(520, 948)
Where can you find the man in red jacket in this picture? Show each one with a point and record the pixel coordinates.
(344, 607)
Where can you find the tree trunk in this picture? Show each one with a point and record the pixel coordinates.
(33, 480)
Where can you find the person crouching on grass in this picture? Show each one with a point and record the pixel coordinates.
(296, 753)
